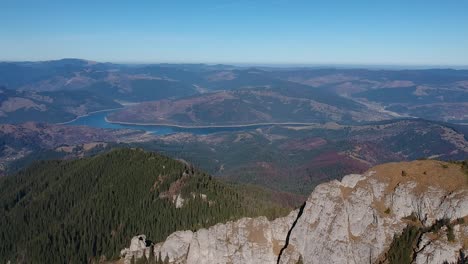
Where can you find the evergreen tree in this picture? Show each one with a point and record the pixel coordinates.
(91, 207)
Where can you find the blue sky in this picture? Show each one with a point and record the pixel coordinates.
(267, 32)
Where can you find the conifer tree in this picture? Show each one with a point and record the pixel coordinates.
(82, 209)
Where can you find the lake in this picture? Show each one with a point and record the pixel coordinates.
(97, 119)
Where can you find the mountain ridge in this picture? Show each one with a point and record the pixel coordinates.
(355, 220)
(85, 209)
(249, 106)
(436, 94)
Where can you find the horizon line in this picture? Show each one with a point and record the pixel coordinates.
(260, 64)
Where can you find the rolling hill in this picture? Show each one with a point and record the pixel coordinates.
(289, 103)
(297, 158)
(54, 106)
(367, 94)
(435, 94)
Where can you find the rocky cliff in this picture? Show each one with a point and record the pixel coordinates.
(360, 219)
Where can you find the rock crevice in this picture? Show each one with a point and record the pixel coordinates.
(286, 243)
(350, 221)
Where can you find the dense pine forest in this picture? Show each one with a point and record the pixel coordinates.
(86, 210)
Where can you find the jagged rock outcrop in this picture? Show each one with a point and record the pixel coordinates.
(248, 240)
(354, 221)
(139, 247)
(349, 221)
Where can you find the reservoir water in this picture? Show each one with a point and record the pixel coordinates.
(97, 119)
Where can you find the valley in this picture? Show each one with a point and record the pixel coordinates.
(297, 158)
(233, 132)
(201, 94)
(281, 157)
(92, 155)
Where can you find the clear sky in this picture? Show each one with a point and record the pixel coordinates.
(216, 31)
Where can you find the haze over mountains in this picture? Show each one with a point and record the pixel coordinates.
(146, 133)
(334, 111)
(245, 141)
(233, 132)
(250, 94)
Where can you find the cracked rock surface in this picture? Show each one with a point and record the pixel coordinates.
(349, 221)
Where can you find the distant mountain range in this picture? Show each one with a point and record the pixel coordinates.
(252, 94)
(79, 194)
(351, 118)
(285, 103)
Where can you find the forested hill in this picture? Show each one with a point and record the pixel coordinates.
(83, 210)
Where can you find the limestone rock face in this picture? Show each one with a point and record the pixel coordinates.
(354, 221)
(440, 250)
(139, 246)
(248, 240)
(244, 241)
(349, 221)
